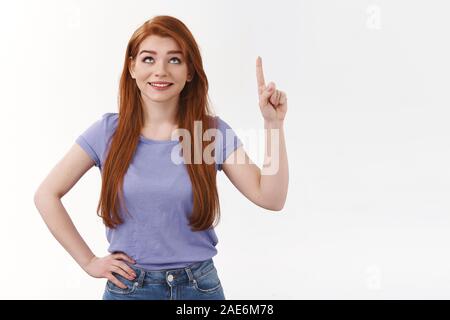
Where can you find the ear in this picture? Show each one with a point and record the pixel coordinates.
(190, 76)
(191, 71)
(131, 67)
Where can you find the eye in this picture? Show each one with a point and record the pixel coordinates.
(174, 58)
(179, 61)
(143, 60)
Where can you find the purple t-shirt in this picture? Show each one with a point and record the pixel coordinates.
(158, 194)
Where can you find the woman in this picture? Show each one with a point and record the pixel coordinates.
(158, 202)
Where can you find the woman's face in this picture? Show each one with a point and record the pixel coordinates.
(159, 59)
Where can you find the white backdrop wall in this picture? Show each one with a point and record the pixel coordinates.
(367, 213)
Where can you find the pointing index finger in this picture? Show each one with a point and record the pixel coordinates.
(260, 73)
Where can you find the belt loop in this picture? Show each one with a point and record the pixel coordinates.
(189, 273)
(140, 278)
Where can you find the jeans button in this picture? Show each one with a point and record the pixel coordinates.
(170, 277)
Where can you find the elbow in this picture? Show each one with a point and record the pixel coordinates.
(276, 207)
(279, 205)
(273, 204)
(40, 196)
(37, 199)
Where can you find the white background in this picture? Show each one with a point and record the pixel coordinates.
(367, 214)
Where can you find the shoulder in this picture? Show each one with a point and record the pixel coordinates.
(107, 124)
(226, 133)
(101, 128)
(219, 123)
(227, 140)
(110, 119)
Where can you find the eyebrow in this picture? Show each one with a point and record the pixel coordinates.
(154, 52)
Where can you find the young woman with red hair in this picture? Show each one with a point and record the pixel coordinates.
(159, 204)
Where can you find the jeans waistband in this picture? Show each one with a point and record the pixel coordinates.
(173, 276)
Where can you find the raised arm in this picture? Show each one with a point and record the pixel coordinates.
(268, 187)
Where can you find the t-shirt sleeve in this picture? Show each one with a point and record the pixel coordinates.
(95, 138)
(230, 142)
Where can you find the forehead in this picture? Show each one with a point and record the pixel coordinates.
(159, 44)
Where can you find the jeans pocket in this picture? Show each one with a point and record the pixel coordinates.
(111, 287)
(208, 282)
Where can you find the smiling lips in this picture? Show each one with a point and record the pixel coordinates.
(160, 85)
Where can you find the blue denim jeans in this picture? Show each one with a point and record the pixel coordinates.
(197, 281)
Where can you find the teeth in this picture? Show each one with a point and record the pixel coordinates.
(159, 85)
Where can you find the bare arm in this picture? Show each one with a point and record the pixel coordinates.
(267, 187)
(61, 226)
(274, 175)
(274, 178)
(48, 202)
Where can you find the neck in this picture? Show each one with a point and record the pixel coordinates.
(159, 113)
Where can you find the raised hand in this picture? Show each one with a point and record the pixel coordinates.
(272, 102)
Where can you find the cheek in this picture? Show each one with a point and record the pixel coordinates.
(142, 74)
(177, 73)
(141, 81)
(180, 73)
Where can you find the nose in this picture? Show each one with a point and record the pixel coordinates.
(160, 68)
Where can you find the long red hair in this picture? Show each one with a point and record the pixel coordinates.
(193, 106)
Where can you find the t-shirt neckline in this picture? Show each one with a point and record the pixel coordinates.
(153, 141)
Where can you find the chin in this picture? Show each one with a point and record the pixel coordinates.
(160, 98)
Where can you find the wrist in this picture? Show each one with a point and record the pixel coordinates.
(273, 124)
(86, 263)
